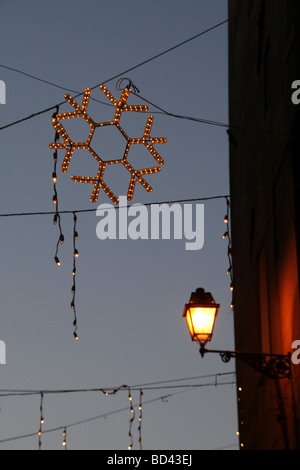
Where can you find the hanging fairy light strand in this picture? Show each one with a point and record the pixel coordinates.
(140, 419)
(161, 385)
(75, 256)
(64, 442)
(41, 421)
(130, 446)
(57, 217)
(227, 236)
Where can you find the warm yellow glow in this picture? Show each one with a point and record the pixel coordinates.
(57, 261)
(201, 321)
(69, 146)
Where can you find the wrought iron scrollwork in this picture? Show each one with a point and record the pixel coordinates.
(275, 366)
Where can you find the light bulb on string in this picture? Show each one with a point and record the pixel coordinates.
(140, 419)
(130, 446)
(57, 261)
(227, 236)
(41, 421)
(73, 288)
(64, 442)
(56, 217)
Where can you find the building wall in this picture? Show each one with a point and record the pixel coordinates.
(264, 60)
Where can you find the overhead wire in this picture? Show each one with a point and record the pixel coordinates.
(156, 56)
(136, 91)
(20, 214)
(162, 398)
(113, 390)
(117, 207)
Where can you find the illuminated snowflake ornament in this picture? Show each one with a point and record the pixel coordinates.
(80, 111)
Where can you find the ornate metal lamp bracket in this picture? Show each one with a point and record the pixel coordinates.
(275, 366)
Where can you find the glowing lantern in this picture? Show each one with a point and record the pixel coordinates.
(200, 314)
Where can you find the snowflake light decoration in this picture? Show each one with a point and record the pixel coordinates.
(136, 175)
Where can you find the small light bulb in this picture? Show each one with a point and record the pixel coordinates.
(61, 238)
(76, 254)
(54, 199)
(75, 336)
(226, 219)
(57, 261)
(54, 177)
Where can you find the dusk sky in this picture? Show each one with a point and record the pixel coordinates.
(130, 294)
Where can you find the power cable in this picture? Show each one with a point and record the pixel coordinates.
(9, 393)
(104, 415)
(119, 74)
(174, 201)
(77, 211)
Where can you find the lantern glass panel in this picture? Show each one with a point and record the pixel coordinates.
(201, 321)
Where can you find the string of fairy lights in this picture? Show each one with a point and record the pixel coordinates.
(57, 216)
(57, 221)
(227, 236)
(75, 256)
(41, 420)
(135, 409)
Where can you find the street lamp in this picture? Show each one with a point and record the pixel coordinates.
(200, 314)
